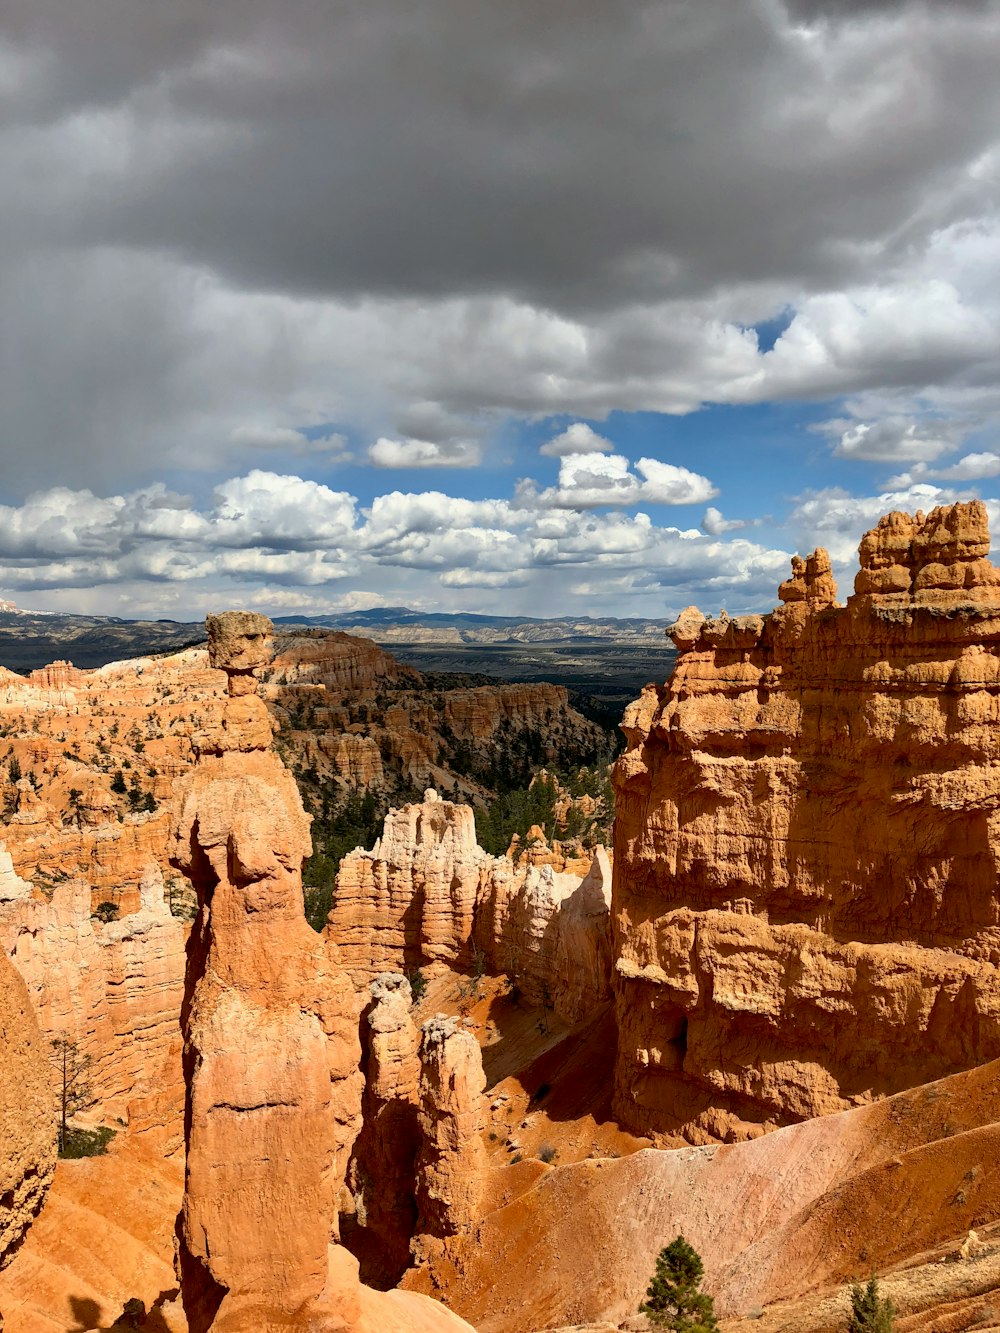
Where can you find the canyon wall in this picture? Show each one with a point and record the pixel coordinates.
(85, 884)
(805, 901)
(427, 892)
(351, 713)
(112, 989)
(27, 1114)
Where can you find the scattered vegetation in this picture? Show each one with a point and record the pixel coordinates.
(336, 830)
(418, 985)
(547, 1154)
(105, 912)
(515, 812)
(133, 1314)
(72, 1069)
(674, 1298)
(870, 1312)
(86, 1142)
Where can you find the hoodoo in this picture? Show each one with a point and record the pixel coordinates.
(807, 841)
(270, 1029)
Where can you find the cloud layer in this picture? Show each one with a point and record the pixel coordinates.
(246, 243)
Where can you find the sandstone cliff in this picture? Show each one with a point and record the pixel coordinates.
(805, 904)
(113, 989)
(350, 712)
(427, 892)
(27, 1114)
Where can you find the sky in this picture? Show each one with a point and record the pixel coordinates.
(585, 307)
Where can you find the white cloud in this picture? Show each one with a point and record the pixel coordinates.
(476, 578)
(577, 438)
(593, 481)
(280, 541)
(715, 524)
(971, 467)
(282, 512)
(422, 453)
(893, 440)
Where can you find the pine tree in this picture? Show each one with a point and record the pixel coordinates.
(870, 1313)
(674, 1299)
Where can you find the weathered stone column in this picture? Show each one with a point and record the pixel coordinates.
(269, 1024)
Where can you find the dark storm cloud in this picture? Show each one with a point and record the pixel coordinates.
(563, 154)
(233, 220)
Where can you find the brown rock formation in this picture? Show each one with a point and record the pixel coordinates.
(427, 892)
(27, 1114)
(939, 560)
(452, 1163)
(270, 1029)
(806, 847)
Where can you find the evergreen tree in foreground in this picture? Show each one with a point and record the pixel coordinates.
(674, 1299)
(870, 1313)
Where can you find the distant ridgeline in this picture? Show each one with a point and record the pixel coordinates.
(606, 660)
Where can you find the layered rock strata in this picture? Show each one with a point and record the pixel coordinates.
(354, 715)
(805, 905)
(427, 892)
(27, 1114)
(270, 1028)
(112, 989)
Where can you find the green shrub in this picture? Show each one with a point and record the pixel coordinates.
(86, 1142)
(674, 1298)
(418, 984)
(547, 1154)
(870, 1313)
(106, 911)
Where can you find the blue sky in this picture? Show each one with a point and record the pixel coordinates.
(560, 309)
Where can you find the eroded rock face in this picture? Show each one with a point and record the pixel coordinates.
(427, 892)
(112, 988)
(270, 1028)
(356, 716)
(805, 904)
(27, 1114)
(413, 896)
(383, 1166)
(452, 1164)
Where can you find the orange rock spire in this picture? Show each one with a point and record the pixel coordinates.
(270, 1029)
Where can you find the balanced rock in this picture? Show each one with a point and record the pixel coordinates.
(270, 1030)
